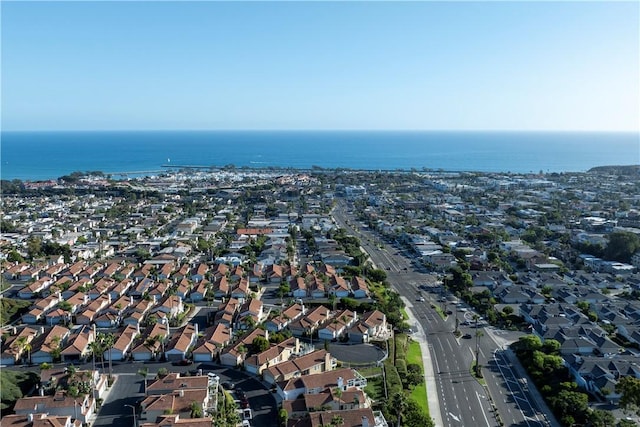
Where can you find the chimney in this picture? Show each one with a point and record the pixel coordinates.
(340, 383)
(327, 361)
(365, 421)
(181, 393)
(30, 418)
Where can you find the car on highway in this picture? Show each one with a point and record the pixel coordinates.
(421, 299)
(466, 336)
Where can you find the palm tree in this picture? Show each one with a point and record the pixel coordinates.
(161, 339)
(196, 410)
(96, 347)
(107, 341)
(143, 373)
(150, 343)
(399, 403)
(55, 347)
(23, 345)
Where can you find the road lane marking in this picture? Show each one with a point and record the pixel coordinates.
(482, 409)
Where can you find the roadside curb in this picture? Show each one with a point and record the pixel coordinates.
(429, 377)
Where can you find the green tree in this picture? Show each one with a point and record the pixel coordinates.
(55, 345)
(529, 343)
(283, 417)
(14, 256)
(507, 310)
(107, 341)
(551, 346)
(629, 388)
(415, 416)
(621, 246)
(337, 421)
(377, 275)
(259, 344)
(600, 418)
(196, 409)
(399, 403)
(283, 290)
(570, 404)
(96, 350)
(23, 345)
(143, 373)
(34, 246)
(414, 375)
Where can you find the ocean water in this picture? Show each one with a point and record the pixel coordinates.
(48, 155)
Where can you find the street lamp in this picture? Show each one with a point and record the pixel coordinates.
(133, 408)
(478, 333)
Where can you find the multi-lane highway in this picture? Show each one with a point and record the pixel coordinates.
(463, 400)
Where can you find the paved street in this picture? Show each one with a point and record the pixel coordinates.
(127, 390)
(461, 399)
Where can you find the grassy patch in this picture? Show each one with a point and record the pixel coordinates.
(414, 354)
(374, 371)
(440, 312)
(4, 285)
(405, 315)
(375, 388)
(473, 373)
(419, 393)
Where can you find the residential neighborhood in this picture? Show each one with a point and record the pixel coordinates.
(252, 270)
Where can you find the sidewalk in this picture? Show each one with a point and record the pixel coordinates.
(105, 396)
(519, 369)
(429, 377)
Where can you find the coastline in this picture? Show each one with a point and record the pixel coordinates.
(49, 155)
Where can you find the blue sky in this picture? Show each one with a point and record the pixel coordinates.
(320, 65)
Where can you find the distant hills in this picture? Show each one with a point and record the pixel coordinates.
(620, 170)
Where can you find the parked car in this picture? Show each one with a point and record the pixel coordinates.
(183, 362)
(466, 336)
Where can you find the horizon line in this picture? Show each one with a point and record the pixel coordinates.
(326, 130)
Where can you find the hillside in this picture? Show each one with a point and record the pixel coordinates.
(11, 309)
(619, 170)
